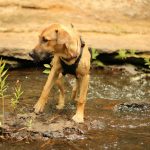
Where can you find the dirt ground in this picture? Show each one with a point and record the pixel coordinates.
(107, 25)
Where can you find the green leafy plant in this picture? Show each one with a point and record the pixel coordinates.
(94, 53)
(96, 62)
(132, 52)
(48, 68)
(3, 87)
(147, 62)
(122, 54)
(17, 94)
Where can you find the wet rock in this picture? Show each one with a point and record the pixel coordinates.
(31, 126)
(26, 116)
(17, 53)
(73, 130)
(97, 124)
(129, 68)
(56, 134)
(74, 133)
(132, 107)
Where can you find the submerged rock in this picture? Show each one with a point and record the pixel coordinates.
(97, 124)
(132, 107)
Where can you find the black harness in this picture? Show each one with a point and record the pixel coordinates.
(71, 69)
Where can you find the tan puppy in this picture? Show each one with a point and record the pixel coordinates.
(70, 56)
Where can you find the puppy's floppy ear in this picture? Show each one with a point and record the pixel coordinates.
(62, 36)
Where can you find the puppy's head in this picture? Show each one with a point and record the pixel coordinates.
(57, 40)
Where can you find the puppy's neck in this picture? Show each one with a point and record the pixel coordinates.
(73, 58)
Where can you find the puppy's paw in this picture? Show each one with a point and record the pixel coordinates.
(38, 107)
(60, 106)
(78, 118)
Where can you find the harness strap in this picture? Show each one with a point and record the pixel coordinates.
(71, 69)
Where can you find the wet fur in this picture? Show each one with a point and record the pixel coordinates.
(64, 42)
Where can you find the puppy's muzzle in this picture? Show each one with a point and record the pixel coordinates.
(39, 56)
(34, 55)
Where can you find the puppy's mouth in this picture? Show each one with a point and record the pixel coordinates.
(70, 58)
(38, 57)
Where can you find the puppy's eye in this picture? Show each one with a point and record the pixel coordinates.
(44, 40)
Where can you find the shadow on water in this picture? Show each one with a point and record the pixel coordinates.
(105, 127)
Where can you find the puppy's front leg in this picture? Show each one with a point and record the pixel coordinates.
(79, 116)
(60, 85)
(39, 106)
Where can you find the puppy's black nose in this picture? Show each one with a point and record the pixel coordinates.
(31, 54)
(34, 55)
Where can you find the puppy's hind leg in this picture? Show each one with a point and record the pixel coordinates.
(75, 90)
(60, 84)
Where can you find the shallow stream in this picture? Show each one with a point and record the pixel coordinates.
(108, 125)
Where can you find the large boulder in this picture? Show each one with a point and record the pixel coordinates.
(107, 25)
